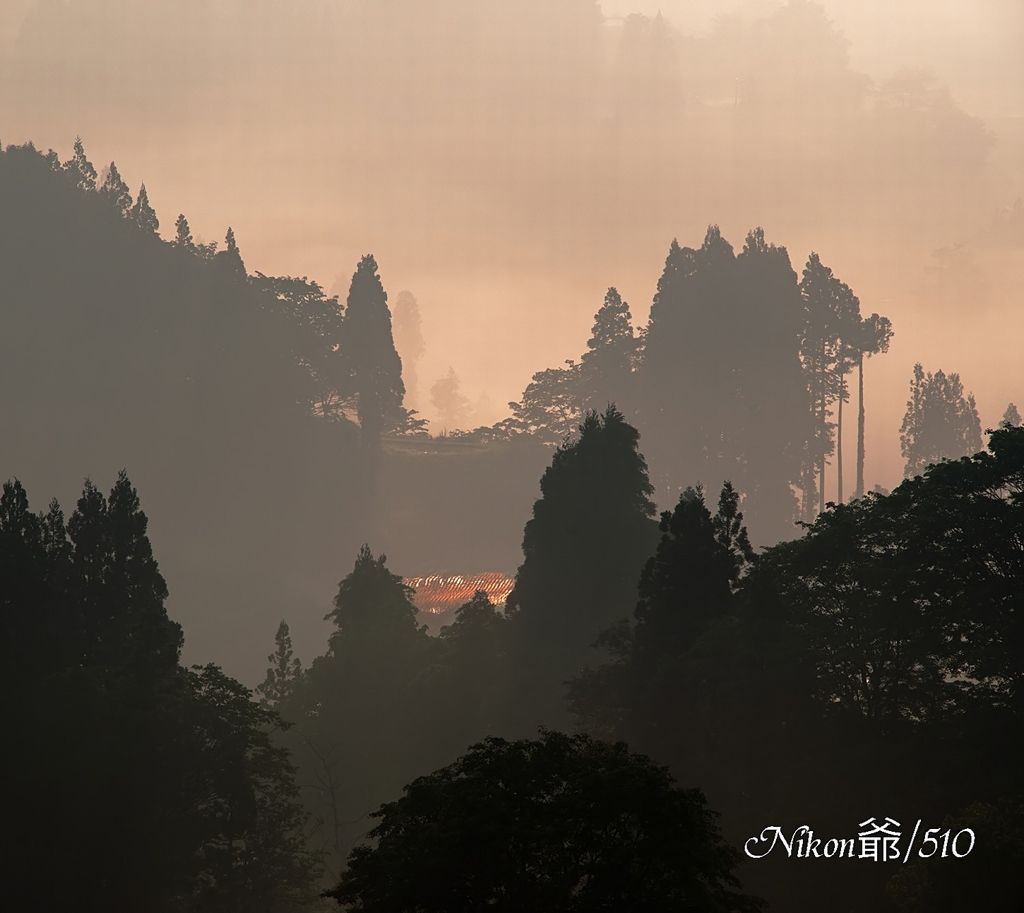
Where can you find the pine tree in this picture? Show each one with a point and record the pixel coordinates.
(375, 370)
(606, 368)
(372, 603)
(143, 215)
(80, 169)
(119, 587)
(182, 233)
(230, 258)
(940, 422)
(284, 670)
(115, 191)
(1011, 416)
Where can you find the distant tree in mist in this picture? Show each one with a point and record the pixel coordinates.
(115, 191)
(409, 343)
(550, 406)
(142, 214)
(831, 313)
(940, 422)
(284, 672)
(1011, 416)
(606, 368)
(375, 370)
(720, 393)
(447, 398)
(645, 77)
(79, 169)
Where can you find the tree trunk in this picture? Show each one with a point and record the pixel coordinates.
(839, 441)
(859, 491)
(823, 432)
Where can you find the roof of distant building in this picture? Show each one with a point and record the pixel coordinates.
(437, 594)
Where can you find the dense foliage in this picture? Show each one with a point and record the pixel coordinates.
(164, 783)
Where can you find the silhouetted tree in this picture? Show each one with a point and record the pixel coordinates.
(1011, 416)
(115, 191)
(317, 323)
(831, 312)
(873, 338)
(560, 823)
(285, 670)
(80, 169)
(606, 368)
(583, 550)
(180, 758)
(183, 234)
(230, 258)
(142, 214)
(940, 423)
(550, 407)
(369, 353)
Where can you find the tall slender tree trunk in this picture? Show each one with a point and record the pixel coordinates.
(859, 491)
(839, 441)
(823, 430)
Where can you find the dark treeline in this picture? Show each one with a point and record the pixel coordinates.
(130, 782)
(249, 407)
(738, 375)
(869, 667)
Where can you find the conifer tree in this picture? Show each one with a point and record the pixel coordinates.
(284, 670)
(183, 234)
(143, 215)
(872, 339)
(80, 169)
(606, 368)
(115, 191)
(230, 257)
(375, 370)
(591, 532)
(1011, 416)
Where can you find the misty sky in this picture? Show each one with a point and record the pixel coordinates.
(508, 162)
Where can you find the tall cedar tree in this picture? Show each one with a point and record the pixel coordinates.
(831, 315)
(115, 191)
(80, 169)
(591, 532)
(606, 368)
(872, 338)
(721, 395)
(369, 351)
(143, 215)
(361, 718)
